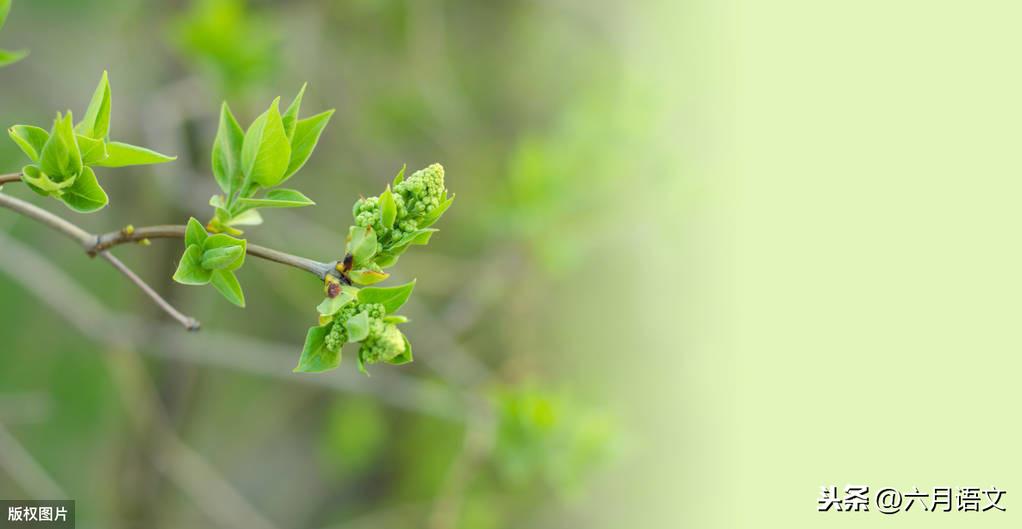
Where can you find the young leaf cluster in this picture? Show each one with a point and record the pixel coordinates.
(249, 166)
(212, 259)
(63, 157)
(8, 57)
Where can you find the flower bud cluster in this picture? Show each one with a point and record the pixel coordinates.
(338, 334)
(415, 198)
(385, 342)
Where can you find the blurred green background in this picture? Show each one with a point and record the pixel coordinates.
(706, 258)
(546, 322)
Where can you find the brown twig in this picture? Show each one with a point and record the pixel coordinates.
(189, 322)
(8, 178)
(85, 238)
(100, 244)
(109, 240)
(55, 289)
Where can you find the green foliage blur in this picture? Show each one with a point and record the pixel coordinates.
(498, 423)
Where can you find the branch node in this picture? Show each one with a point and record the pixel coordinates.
(93, 249)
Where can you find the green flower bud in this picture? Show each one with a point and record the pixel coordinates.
(385, 342)
(337, 337)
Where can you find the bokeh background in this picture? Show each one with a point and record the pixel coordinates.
(706, 258)
(548, 320)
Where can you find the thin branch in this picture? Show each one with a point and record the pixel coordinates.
(196, 477)
(66, 298)
(100, 244)
(42, 216)
(109, 240)
(8, 178)
(189, 322)
(25, 470)
(85, 238)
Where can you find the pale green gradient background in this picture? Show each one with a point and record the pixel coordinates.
(856, 317)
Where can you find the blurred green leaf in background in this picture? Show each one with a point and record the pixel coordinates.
(233, 43)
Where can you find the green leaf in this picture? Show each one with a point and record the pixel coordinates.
(386, 259)
(96, 123)
(227, 152)
(304, 140)
(434, 215)
(395, 319)
(10, 57)
(30, 139)
(400, 177)
(195, 233)
(227, 284)
(222, 240)
(266, 149)
(363, 244)
(388, 208)
(330, 306)
(290, 118)
(123, 155)
(316, 358)
(5, 8)
(85, 195)
(392, 298)
(219, 258)
(405, 357)
(357, 327)
(421, 237)
(367, 277)
(361, 361)
(93, 150)
(41, 183)
(60, 155)
(418, 237)
(246, 218)
(279, 198)
(190, 270)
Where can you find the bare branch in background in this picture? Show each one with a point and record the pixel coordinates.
(478, 444)
(68, 299)
(214, 495)
(85, 238)
(26, 407)
(186, 468)
(25, 470)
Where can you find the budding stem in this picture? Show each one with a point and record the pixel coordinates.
(99, 245)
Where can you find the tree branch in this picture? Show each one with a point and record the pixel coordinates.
(109, 240)
(55, 289)
(100, 244)
(189, 322)
(85, 238)
(8, 178)
(25, 470)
